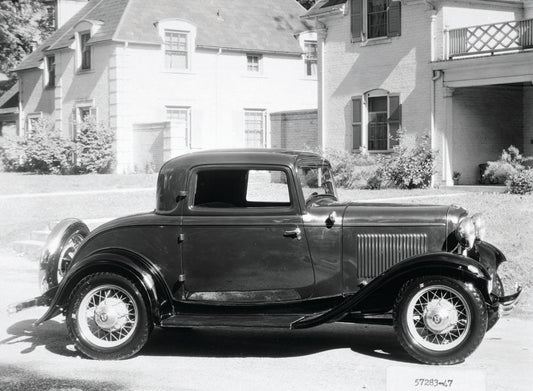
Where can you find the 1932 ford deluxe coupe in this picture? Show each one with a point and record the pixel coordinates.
(258, 238)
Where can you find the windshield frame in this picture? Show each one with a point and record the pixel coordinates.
(324, 177)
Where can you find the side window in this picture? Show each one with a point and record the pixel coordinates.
(241, 188)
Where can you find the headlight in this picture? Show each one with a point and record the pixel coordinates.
(466, 232)
(479, 225)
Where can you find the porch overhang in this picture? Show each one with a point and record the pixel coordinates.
(487, 70)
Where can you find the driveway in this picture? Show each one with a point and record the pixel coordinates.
(336, 356)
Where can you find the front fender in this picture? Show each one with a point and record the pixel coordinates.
(123, 262)
(488, 255)
(382, 290)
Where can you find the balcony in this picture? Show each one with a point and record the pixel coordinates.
(489, 39)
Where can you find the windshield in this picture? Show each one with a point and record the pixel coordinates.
(316, 181)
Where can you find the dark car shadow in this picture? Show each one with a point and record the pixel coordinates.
(51, 334)
(375, 341)
(370, 340)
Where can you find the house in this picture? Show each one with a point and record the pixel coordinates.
(171, 76)
(458, 70)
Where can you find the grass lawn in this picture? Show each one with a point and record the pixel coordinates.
(509, 217)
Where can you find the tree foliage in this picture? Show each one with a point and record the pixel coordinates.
(23, 23)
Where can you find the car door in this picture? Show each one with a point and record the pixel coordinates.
(243, 237)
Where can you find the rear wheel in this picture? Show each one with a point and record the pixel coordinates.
(107, 317)
(439, 320)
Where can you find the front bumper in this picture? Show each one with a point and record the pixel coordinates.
(505, 304)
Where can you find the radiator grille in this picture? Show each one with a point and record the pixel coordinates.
(378, 252)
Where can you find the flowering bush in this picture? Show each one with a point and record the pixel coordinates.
(47, 152)
(94, 147)
(510, 163)
(409, 166)
(521, 182)
(351, 170)
(44, 152)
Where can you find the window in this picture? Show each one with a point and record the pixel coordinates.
(375, 19)
(241, 188)
(311, 57)
(85, 51)
(316, 180)
(254, 128)
(253, 62)
(179, 136)
(176, 50)
(32, 123)
(384, 116)
(50, 71)
(80, 113)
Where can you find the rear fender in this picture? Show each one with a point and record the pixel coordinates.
(123, 262)
(379, 294)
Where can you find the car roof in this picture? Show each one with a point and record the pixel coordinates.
(240, 156)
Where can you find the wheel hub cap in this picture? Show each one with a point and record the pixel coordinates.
(440, 315)
(111, 314)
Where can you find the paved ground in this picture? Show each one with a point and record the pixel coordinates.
(337, 357)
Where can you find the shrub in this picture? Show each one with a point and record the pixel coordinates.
(351, 170)
(45, 152)
(510, 163)
(94, 147)
(521, 182)
(409, 166)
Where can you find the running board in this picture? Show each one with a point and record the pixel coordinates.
(283, 321)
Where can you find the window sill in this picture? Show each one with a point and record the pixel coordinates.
(310, 78)
(376, 41)
(84, 71)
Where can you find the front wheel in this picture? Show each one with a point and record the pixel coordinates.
(439, 320)
(107, 317)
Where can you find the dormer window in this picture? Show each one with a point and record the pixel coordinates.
(311, 58)
(176, 49)
(253, 63)
(50, 71)
(85, 51)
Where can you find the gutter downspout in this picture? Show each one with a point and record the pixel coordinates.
(321, 35)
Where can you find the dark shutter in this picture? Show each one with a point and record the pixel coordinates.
(395, 118)
(395, 18)
(357, 106)
(356, 7)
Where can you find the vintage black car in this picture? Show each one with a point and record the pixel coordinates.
(258, 238)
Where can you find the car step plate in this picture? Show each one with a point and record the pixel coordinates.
(231, 320)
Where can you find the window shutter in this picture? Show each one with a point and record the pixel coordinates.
(395, 117)
(356, 7)
(395, 18)
(357, 104)
(93, 112)
(73, 124)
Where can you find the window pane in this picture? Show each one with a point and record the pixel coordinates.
(377, 104)
(240, 188)
(267, 186)
(253, 63)
(377, 18)
(176, 50)
(85, 51)
(254, 129)
(377, 124)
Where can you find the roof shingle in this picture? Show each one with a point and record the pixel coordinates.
(244, 25)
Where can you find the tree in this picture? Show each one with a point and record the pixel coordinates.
(23, 23)
(307, 3)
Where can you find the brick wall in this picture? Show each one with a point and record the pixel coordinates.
(294, 129)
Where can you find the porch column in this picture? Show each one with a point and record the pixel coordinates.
(447, 138)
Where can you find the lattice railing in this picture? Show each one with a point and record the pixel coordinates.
(490, 38)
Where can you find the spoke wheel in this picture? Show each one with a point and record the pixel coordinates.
(67, 254)
(439, 320)
(107, 317)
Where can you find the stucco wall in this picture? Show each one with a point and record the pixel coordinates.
(34, 96)
(485, 121)
(294, 129)
(217, 90)
(398, 65)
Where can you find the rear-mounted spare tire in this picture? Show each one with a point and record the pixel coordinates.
(61, 245)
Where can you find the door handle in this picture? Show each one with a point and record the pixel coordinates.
(293, 233)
